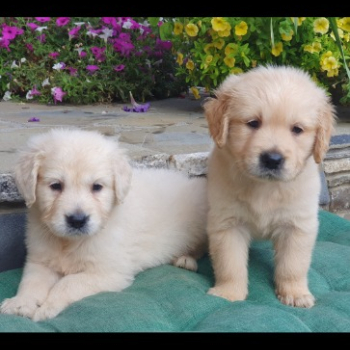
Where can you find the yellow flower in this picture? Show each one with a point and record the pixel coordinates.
(314, 47)
(195, 93)
(254, 63)
(236, 70)
(241, 29)
(231, 49)
(332, 72)
(277, 49)
(180, 58)
(229, 61)
(199, 23)
(288, 37)
(208, 47)
(190, 64)
(225, 32)
(191, 29)
(208, 59)
(344, 23)
(340, 33)
(347, 37)
(219, 44)
(178, 28)
(218, 23)
(300, 20)
(321, 25)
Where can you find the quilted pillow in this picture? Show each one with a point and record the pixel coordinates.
(170, 299)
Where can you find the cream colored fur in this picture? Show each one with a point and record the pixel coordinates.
(94, 222)
(278, 114)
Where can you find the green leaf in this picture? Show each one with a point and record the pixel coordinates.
(334, 27)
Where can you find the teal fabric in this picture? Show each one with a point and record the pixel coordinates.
(170, 299)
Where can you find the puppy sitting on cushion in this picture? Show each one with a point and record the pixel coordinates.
(94, 222)
(271, 128)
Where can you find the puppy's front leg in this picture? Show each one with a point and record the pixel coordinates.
(77, 286)
(229, 253)
(33, 289)
(293, 251)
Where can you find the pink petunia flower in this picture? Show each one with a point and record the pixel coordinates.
(29, 47)
(41, 38)
(92, 68)
(32, 26)
(43, 19)
(73, 71)
(4, 43)
(119, 68)
(54, 54)
(73, 33)
(57, 94)
(62, 21)
(11, 32)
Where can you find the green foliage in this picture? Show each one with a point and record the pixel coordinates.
(131, 58)
(210, 48)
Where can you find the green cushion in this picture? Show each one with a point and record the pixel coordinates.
(170, 299)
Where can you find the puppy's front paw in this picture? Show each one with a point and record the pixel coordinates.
(21, 306)
(301, 300)
(229, 291)
(46, 311)
(186, 262)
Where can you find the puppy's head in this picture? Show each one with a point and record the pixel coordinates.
(271, 120)
(73, 178)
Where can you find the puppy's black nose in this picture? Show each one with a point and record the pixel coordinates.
(77, 221)
(271, 160)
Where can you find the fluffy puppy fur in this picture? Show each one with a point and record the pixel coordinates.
(271, 127)
(94, 222)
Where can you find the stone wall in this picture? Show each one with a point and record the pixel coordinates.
(337, 170)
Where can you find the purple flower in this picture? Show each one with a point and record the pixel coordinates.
(34, 119)
(57, 94)
(136, 107)
(4, 43)
(82, 54)
(92, 68)
(32, 26)
(119, 68)
(62, 21)
(11, 32)
(43, 19)
(34, 91)
(166, 45)
(54, 55)
(73, 71)
(99, 53)
(123, 47)
(73, 33)
(41, 38)
(29, 47)
(109, 20)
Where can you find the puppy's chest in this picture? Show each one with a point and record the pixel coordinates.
(68, 259)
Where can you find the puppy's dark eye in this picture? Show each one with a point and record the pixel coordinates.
(297, 130)
(254, 124)
(56, 186)
(97, 187)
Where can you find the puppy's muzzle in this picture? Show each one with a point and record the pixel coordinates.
(271, 164)
(77, 221)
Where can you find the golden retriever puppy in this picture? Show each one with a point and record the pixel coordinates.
(271, 127)
(94, 222)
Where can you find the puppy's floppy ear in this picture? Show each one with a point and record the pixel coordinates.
(26, 174)
(122, 175)
(326, 120)
(218, 122)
